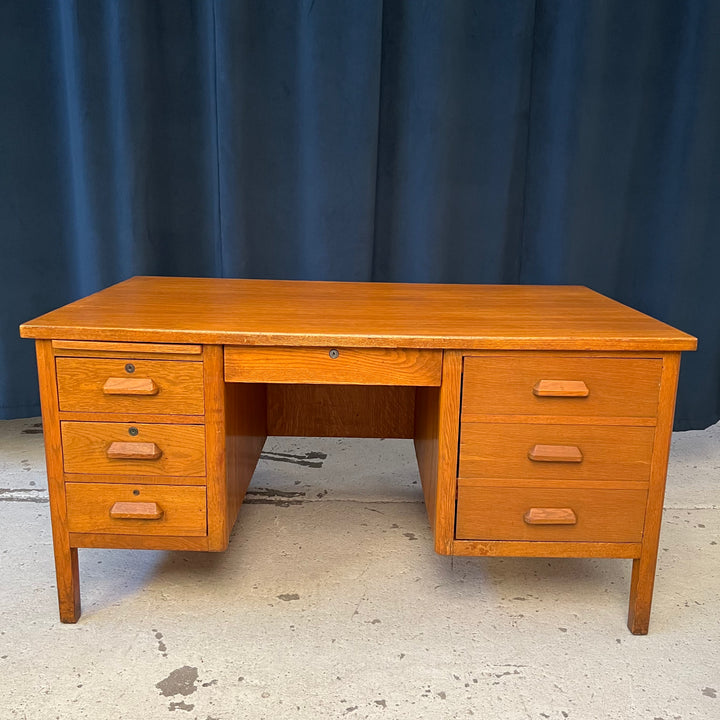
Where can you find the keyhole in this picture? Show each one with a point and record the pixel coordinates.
(136, 492)
(130, 368)
(334, 354)
(133, 431)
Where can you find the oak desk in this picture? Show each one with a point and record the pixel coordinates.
(541, 415)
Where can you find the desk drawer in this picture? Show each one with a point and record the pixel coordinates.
(546, 384)
(136, 509)
(340, 366)
(521, 513)
(562, 452)
(133, 449)
(130, 386)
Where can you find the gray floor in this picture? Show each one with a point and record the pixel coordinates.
(330, 603)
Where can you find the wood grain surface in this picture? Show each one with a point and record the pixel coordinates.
(138, 542)
(506, 384)
(59, 346)
(349, 366)
(85, 446)
(374, 411)
(245, 434)
(535, 548)
(299, 313)
(218, 490)
(448, 431)
(183, 509)
(426, 434)
(66, 556)
(607, 452)
(82, 383)
(643, 571)
(499, 514)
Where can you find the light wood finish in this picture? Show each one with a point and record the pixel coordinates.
(559, 419)
(449, 414)
(507, 548)
(130, 386)
(90, 507)
(216, 457)
(606, 452)
(133, 451)
(560, 388)
(66, 558)
(426, 435)
(337, 365)
(318, 314)
(146, 479)
(138, 542)
(555, 453)
(83, 386)
(550, 516)
(559, 449)
(235, 418)
(131, 417)
(643, 571)
(505, 385)
(551, 483)
(340, 410)
(246, 422)
(136, 511)
(86, 446)
(125, 348)
(119, 355)
(494, 513)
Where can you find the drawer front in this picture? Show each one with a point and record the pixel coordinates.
(130, 386)
(491, 513)
(345, 366)
(136, 509)
(540, 384)
(561, 452)
(133, 449)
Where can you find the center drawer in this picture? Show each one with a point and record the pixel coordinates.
(342, 366)
(133, 449)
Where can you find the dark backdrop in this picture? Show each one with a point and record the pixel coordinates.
(530, 141)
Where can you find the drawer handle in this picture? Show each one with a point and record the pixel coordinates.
(136, 511)
(550, 516)
(555, 453)
(130, 386)
(134, 451)
(560, 388)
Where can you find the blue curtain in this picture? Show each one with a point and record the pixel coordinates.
(511, 141)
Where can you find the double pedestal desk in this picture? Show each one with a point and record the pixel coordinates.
(541, 415)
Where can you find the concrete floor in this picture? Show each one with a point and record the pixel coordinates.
(331, 603)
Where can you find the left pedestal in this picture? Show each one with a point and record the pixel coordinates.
(142, 444)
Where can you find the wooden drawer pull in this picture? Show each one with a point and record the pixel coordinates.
(555, 453)
(130, 386)
(134, 451)
(560, 388)
(136, 511)
(550, 516)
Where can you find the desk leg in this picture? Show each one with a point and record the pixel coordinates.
(68, 580)
(643, 571)
(66, 557)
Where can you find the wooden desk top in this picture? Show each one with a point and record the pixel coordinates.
(287, 312)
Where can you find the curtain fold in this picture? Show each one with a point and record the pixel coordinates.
(524, 141)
